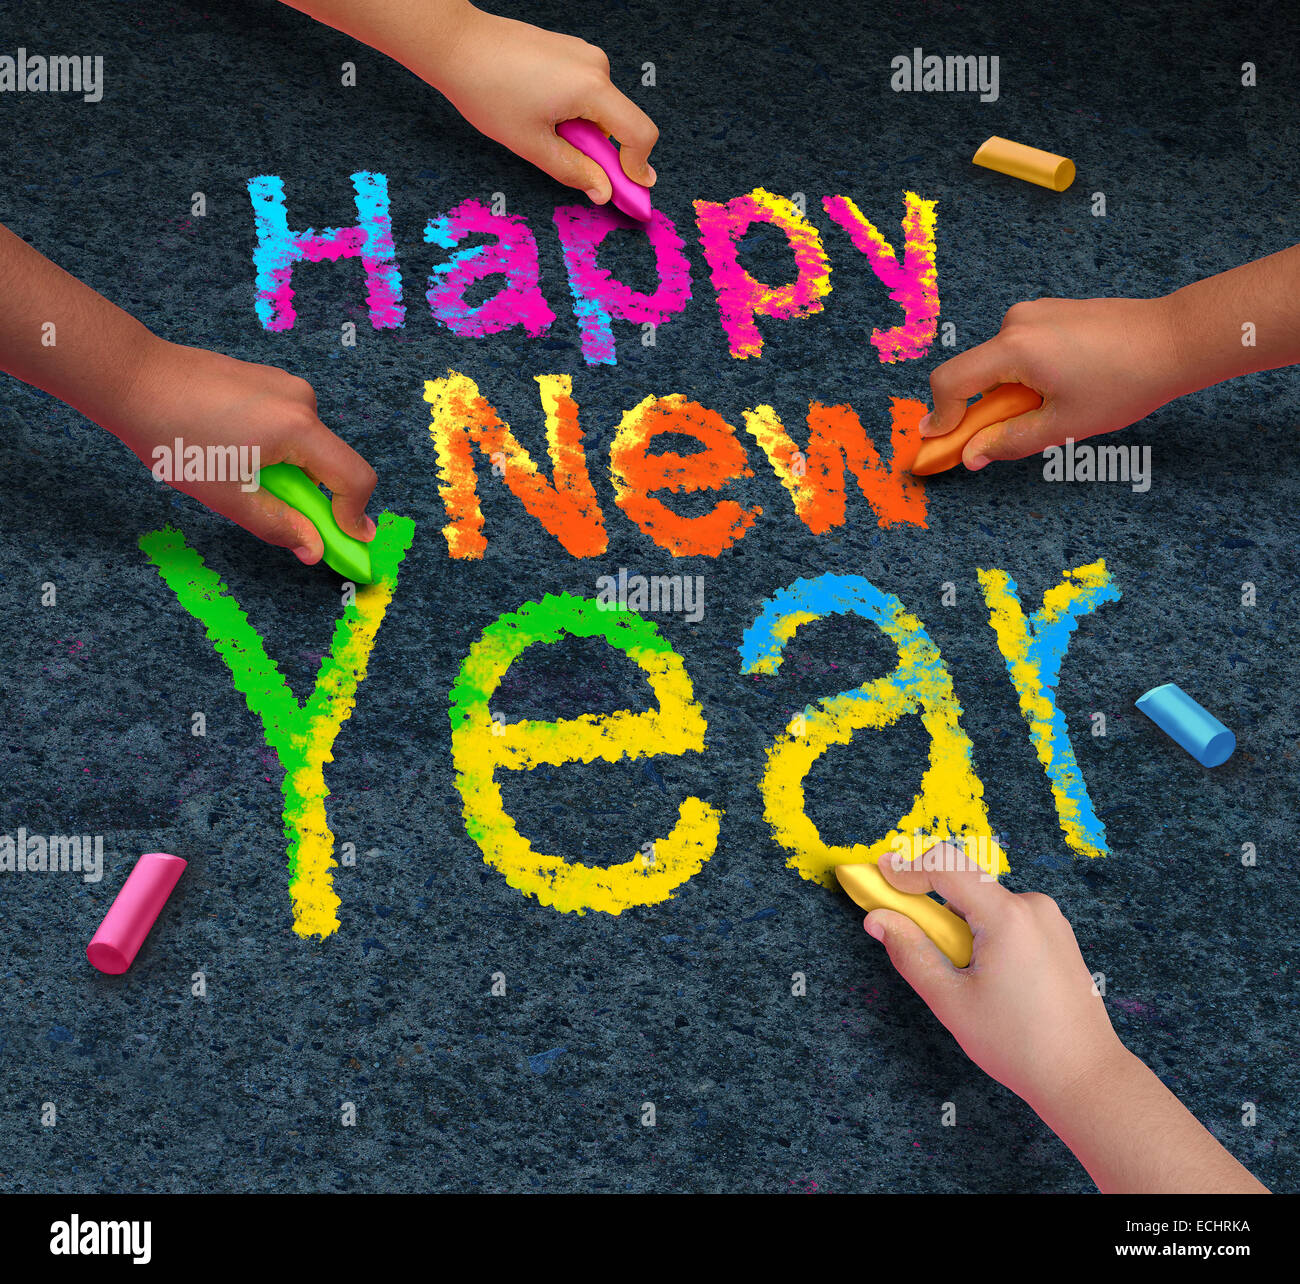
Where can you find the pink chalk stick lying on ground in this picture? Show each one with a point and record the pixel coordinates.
(590, 140)
(113, 948)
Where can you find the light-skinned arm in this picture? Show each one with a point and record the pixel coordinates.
(1027, 1013)
(511, 81)
(1102, 364)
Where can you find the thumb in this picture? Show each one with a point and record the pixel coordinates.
(567, 165)
(916, 958)
(274, 521)
(1016, 438)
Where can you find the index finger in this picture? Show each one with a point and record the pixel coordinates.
(957, 877)
(636, 133)
(328, 459)
(967, 375)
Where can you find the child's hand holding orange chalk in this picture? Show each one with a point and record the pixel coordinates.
(511, 81)
(1098, 364)
(1102, 364)
(1026, 1012)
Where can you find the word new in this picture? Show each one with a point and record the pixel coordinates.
(814, 473)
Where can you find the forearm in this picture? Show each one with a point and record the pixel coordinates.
(408, 31)
(1135, 1137)
(63, 337)
(1238, 322)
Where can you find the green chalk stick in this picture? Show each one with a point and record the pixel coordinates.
(350, 557)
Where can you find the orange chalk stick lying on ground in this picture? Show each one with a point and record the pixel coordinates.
(1047, 169)
(1006, 401)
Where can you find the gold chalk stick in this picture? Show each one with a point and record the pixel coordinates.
(871, 890)
(1047, 169)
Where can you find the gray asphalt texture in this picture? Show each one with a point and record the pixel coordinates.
(686, 1004)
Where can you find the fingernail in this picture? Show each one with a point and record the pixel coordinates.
(595, 195)
(654, 178)
(925, 423)
(977, 462)
(303, 554)
(874, 929)
(370, 527)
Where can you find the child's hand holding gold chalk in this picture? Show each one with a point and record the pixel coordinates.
(1026, 1011)
(871, 890)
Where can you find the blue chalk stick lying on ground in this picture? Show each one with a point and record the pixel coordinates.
(1183, 720)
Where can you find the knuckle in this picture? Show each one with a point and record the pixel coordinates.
(1041, 905)
(1018, 341)
(940, 381)
(298, 389)
(1020, 313)
(301, 418)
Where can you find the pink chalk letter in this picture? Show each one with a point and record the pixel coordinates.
(597, 297)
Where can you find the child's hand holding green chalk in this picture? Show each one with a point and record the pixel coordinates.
(199, 421)
(188, 410)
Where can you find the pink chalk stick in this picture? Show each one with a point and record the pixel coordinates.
(113, 948)
(590, 140)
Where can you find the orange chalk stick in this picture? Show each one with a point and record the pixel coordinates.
(1032, 164)
(1006, 401)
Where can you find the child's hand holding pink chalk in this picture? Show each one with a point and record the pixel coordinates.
(511, 81)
